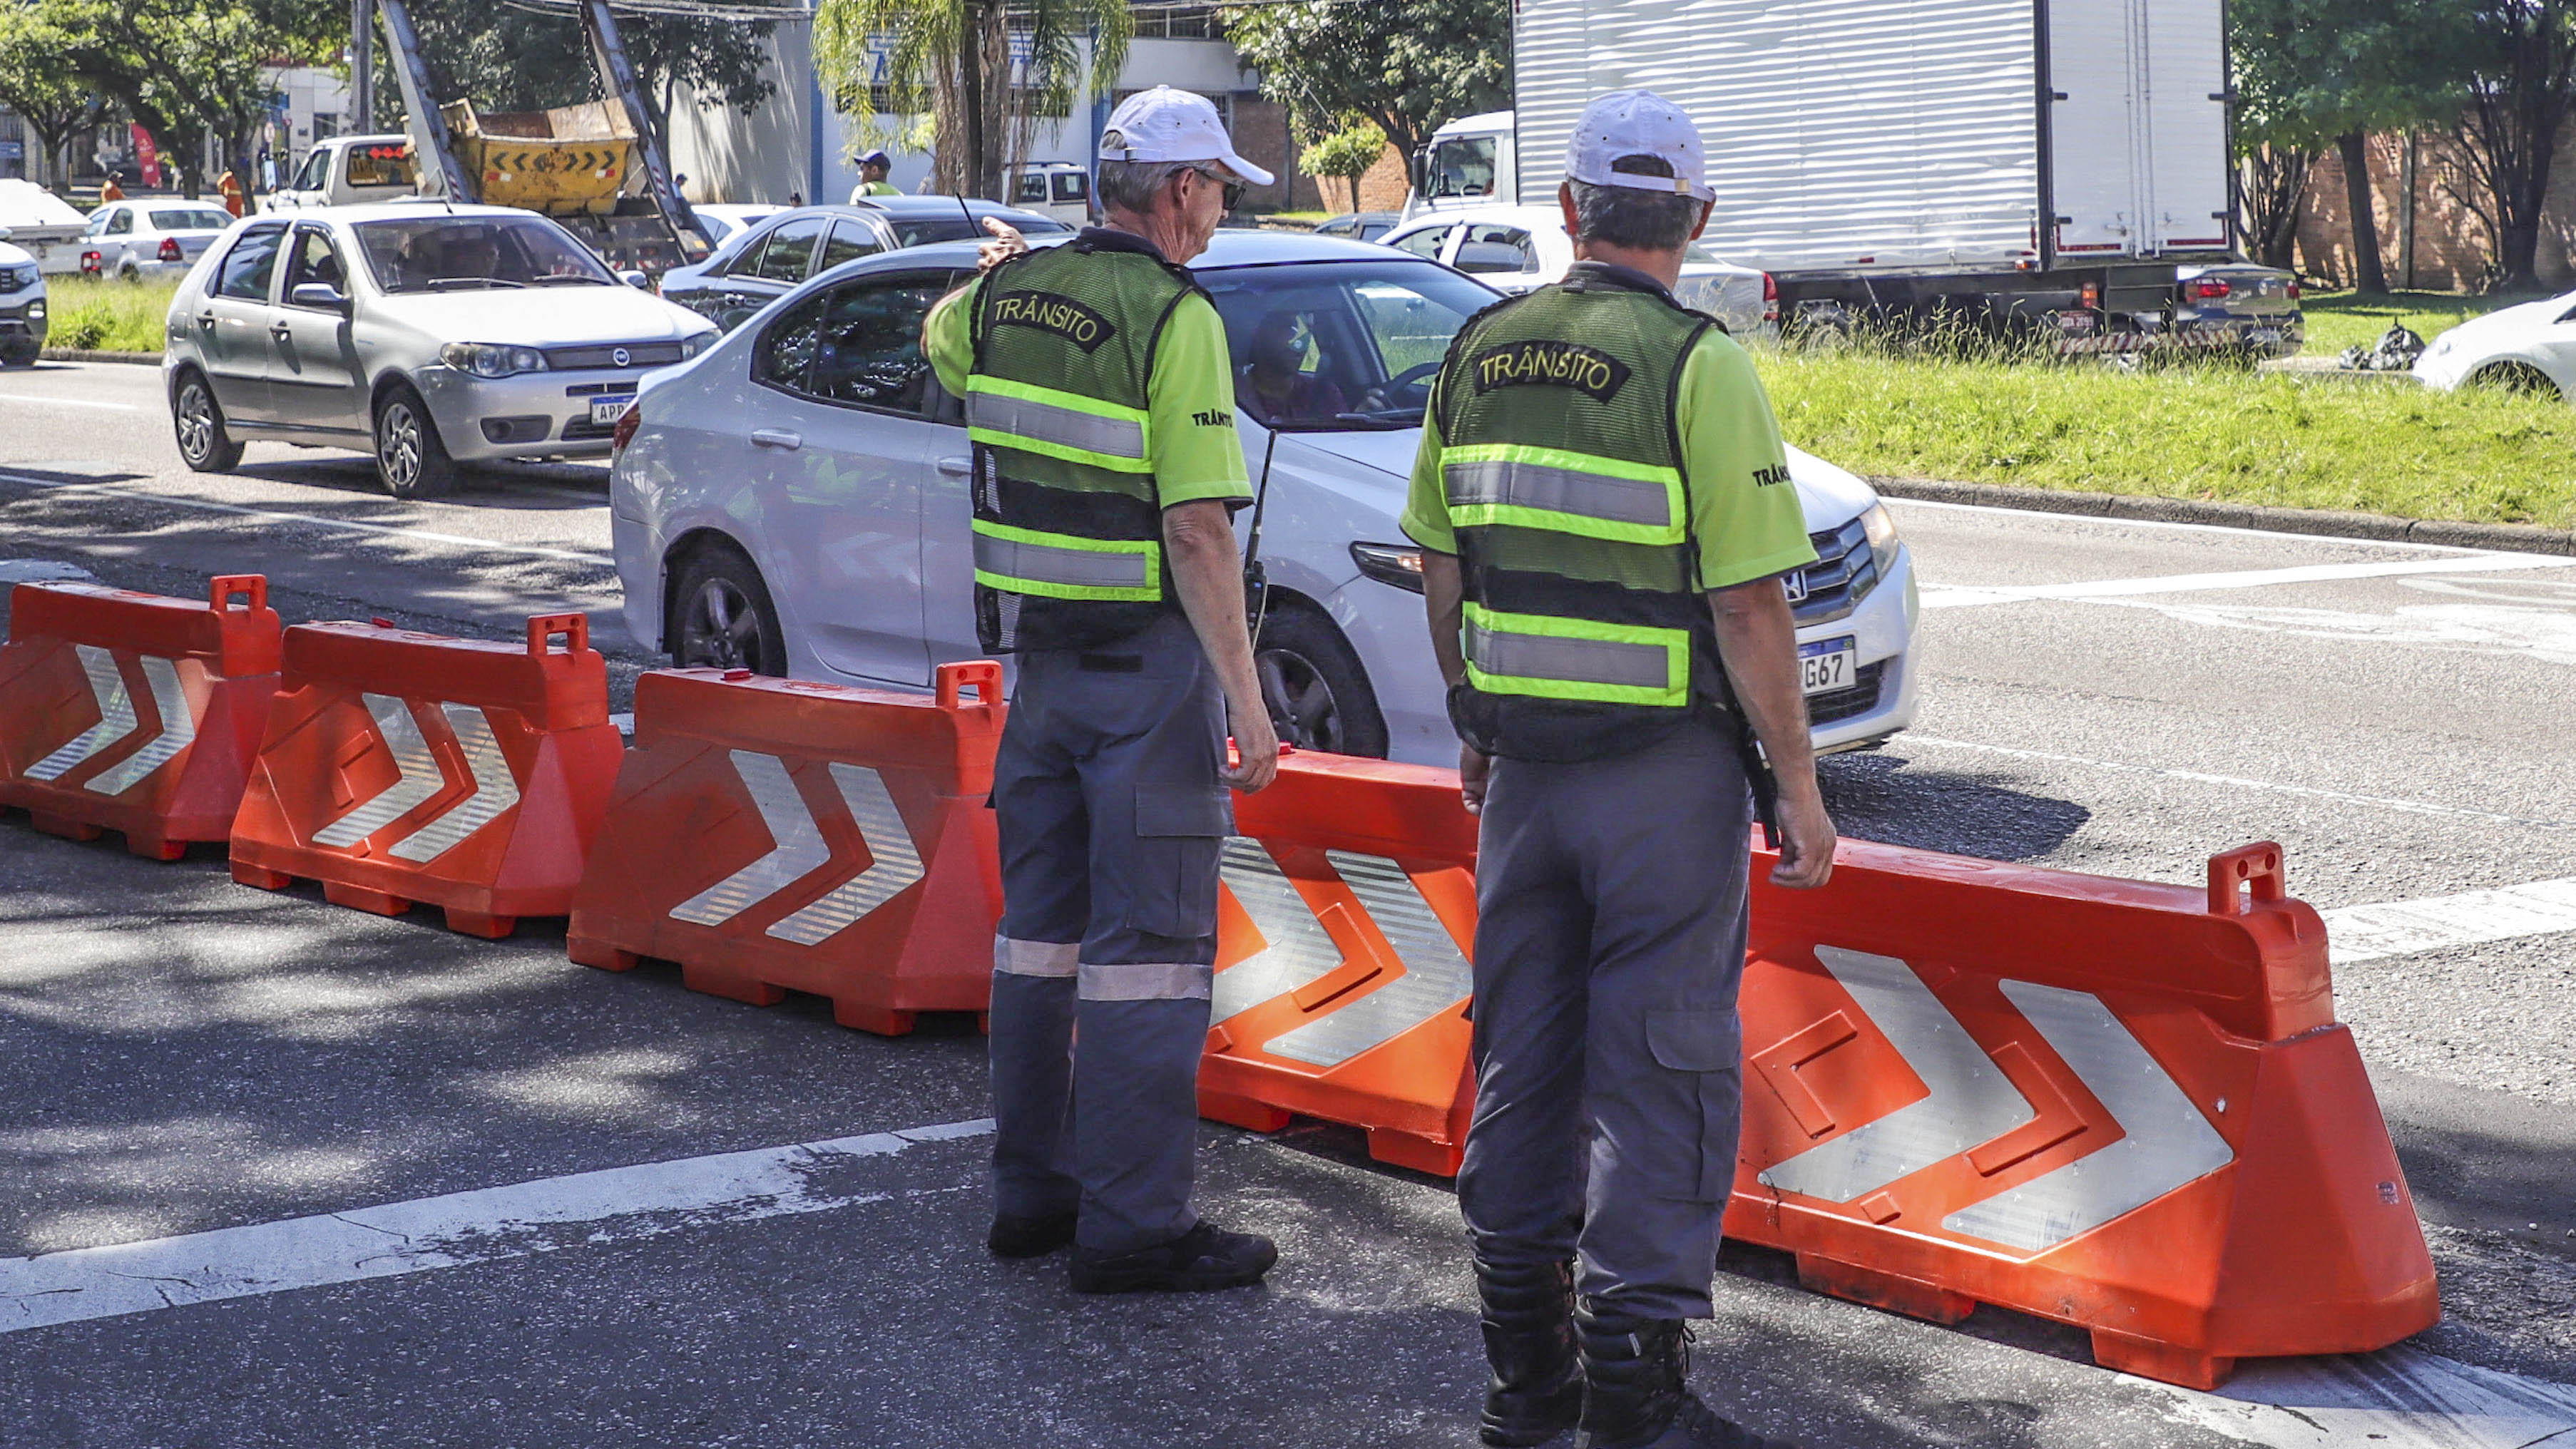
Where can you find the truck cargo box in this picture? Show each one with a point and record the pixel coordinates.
(571, 160)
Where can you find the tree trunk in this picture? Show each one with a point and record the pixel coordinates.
(2368, 274)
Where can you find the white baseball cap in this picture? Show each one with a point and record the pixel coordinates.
(1638, 123)
(1165, 124)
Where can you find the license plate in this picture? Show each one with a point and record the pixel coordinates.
(605, 411)
(1827, 665)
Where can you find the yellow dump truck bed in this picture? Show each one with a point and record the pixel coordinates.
(572, 159)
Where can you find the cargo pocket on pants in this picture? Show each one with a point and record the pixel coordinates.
(1706, 1047)
(1178, 829)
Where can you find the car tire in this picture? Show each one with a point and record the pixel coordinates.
(1319, 696)
(2515, 377)
(410, 460)
(721, 616)
(197, 420)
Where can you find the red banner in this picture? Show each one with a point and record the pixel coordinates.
(147, 157)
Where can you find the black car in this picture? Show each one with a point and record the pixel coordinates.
(2241, 306)
(766, 260)
(1359, 225)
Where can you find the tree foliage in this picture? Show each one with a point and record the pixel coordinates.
(188, 70)
(2518, 67)
(1347, 153)
(38, 79)
(952, 61)
(506, 59)
(1406, 65)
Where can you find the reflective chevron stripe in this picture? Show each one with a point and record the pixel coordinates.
(1298, 951)
(178, 730)
(495, 789)
(798, 849)
(896, 863)
(115, 716)
(417, 778)
(797, 846)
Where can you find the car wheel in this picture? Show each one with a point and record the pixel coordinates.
(721, 615)
(2515, 377)
(410, 461)
(204, 443)
(1318, 695)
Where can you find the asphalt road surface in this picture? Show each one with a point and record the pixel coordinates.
(466, 1193)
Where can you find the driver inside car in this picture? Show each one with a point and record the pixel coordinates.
(1272, 386)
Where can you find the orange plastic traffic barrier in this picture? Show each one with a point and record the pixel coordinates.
(774, 834)
(2120, 1105)
(1342, 936)
(401, 767)
(133, 712)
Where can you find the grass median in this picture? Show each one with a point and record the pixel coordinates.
(2210, 431)
(91, 315)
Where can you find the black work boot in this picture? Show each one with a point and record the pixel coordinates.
(1537, 1389)
(1029, 1237)
(1634, 1390)
(1203, 1259)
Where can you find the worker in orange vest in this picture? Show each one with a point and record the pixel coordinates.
(231, 187)
(111, 191)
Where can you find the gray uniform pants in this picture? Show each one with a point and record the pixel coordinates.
(1110, 816)
(1609, 941)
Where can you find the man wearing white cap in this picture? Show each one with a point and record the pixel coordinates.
(1603, 502)
(1100, 403)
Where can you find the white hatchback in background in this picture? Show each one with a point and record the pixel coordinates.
(131, 240)
(795, 500)
(2530, 348)
(1522, 248)
(718, 220)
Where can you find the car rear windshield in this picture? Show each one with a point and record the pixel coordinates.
(1340, 344)
(190, 218)
(467, 253)
(910, 231)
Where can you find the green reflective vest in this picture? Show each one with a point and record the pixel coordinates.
(1068, 531)
(1586, 632)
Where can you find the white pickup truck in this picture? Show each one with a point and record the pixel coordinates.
(347, 169)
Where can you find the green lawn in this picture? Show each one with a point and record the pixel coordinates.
(2337, 320)
(2210, 432)
(107, 316)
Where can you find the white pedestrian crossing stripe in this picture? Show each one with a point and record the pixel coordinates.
(1297, 951)
(2162, 1142)
(418, 779)
(798, 849)
(2403, 928)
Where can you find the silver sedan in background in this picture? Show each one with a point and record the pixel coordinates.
(131, 240)
(429, 335)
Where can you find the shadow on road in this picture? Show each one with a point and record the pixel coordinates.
(1883, 796)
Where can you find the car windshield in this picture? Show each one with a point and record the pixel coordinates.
(468, 253)
(922, 231)
(1323, 346)
(190, 218)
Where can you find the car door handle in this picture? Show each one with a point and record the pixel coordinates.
(777, 438)
(280, 331)
(206, 320)
(956, 467)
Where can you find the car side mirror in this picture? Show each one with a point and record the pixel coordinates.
(321, 296)
(636, 279)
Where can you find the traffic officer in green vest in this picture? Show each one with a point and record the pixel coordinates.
(1106, 469)
(1605, 511)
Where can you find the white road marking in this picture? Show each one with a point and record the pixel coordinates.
(2398, 1398)
(618, 1204)
(1957, 596)
(2545, 633)
(68, 402)
(2402, 928)
(346, 525)
(2382, 802)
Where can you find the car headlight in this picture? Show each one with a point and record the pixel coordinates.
(1880, 528)
(1399, 564)
(697, 342)
(35, 309)
(491, 359)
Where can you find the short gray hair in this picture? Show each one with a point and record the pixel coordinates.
(1131, 186)
(1624, 216)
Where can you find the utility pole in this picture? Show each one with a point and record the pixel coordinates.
(362, 66)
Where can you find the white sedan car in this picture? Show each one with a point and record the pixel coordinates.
(429, 335)
(795, 500)
(131, 240)
(1518, 248)
(2529, 348)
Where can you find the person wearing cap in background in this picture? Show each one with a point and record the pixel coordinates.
(1106, 469)
(872, 177)
(1605, 511)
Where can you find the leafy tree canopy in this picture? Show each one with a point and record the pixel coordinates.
(2308, 71)
(507, 59)
(1406, 65)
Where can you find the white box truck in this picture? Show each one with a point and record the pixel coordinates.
(2021, 165)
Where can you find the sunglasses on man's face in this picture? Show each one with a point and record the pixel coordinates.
(1233, 189)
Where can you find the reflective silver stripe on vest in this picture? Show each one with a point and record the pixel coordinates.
(1574, 661)
(1073, 567)
(1506, 483)
(1066, 427)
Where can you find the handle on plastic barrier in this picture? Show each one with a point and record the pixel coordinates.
(983, 675)
(2256, 868)
(542, 628)
(228, 587)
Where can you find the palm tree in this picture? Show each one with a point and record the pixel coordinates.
(988, 72)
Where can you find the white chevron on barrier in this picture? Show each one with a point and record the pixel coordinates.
(418, 779)
(117, 723)
(798, 849)
(1298, 950)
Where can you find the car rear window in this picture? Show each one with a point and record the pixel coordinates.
(192, 218)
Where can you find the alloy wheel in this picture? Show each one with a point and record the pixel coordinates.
(720, 629)
(1303, 710)
(398, 446)
(196, 424)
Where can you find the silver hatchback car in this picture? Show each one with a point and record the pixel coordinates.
(432, 336)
